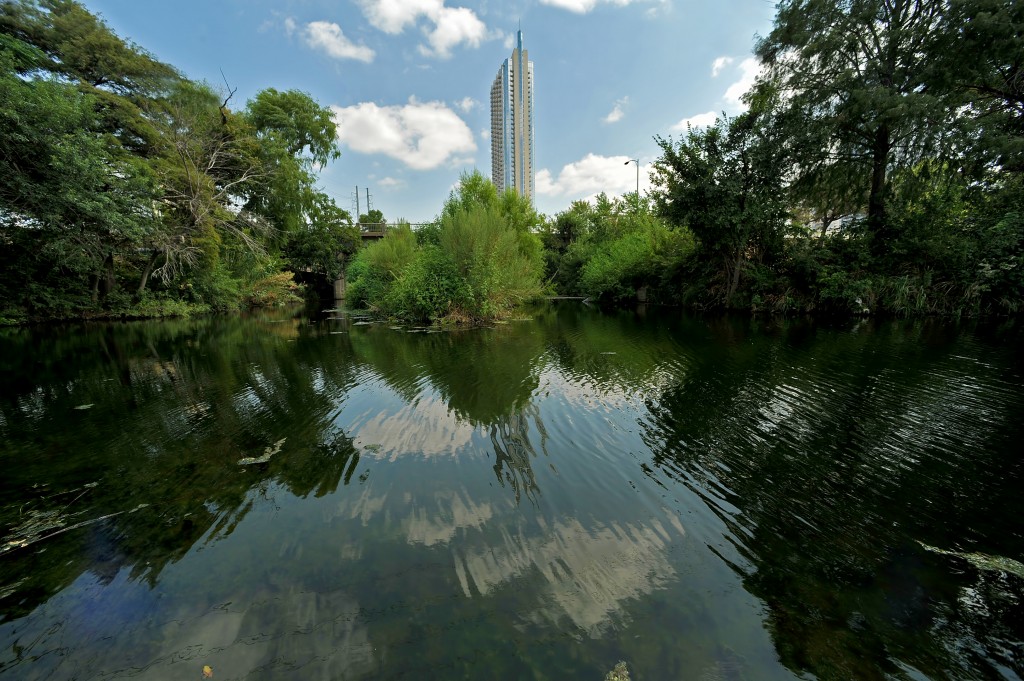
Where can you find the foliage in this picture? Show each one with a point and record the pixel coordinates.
(500, 266)
(724, 184)
(479, 260)
(127, 189)
(377, 267)
(431, 287)
(275, 290)
(325, 243)
(856, 76)
(121, 178)
(372, 217)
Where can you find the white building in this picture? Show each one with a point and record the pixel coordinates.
(512, 123)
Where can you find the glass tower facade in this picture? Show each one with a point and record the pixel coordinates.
(512, 123)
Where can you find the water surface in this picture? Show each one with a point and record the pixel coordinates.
(702, 498)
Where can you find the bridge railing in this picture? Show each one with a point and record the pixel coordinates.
(373, 227)
(376, 229)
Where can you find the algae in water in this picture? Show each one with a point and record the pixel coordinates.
(983, 561)
(265, 457)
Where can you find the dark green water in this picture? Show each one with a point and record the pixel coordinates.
(706, 499)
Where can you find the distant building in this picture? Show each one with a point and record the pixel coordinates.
(512, 123)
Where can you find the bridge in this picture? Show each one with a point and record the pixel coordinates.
(377, 230)
(373, 230)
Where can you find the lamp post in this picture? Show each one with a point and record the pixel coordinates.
(637, 162)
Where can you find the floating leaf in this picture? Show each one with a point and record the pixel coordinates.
(84, 406)
(207, 671)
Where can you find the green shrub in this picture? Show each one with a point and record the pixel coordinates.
(376, 267)
(648, 255)
(431, 287)
(215, 287)
(841, 291)
(500, 266)
(275, 290)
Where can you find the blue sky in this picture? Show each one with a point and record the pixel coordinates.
(409, 80)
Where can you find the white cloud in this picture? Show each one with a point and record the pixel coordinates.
(485, 135)
(392, 16)
(593, 174)
(466, 104)
(509, 42)
(423, 135)
(584, 6)
(719, 64)
(617, 112)
(750, 68)
(390, 182)
(290, 26)
(577, 6)
(699, 121)
(447, 27)
(327, 37)
(452, 27)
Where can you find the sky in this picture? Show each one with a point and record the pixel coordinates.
(409, 81)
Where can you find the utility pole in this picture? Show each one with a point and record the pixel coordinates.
(368, 206)
(357, 204)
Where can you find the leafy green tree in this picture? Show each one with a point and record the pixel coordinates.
(477, 262)
(79, 48)
(645, 255)
(557, 236)
(326, 242)
(295, 136)
(372, 217)
(376, 268)
(979, 52)
(67, 199)
(724, 184)
(500, 265)
(208, 161)
(306, 129)
(856, 76)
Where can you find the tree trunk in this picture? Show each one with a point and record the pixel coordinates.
(108, 282)
(733, 273)
(148, 270)
(877, 218)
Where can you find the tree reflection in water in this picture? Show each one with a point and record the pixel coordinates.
(706, 497)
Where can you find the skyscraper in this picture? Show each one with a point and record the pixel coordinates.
(512, 123)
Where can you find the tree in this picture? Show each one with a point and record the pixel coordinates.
(68, 199)
(78, 47)
(478, 261)
(724, 183)
(326, 242)
(306, 128)
(855, 73)
(208, 162)
(296, 136)
(980, 53)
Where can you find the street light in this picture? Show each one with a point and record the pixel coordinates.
(637, 162)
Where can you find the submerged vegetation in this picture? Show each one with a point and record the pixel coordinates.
(878, 168)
